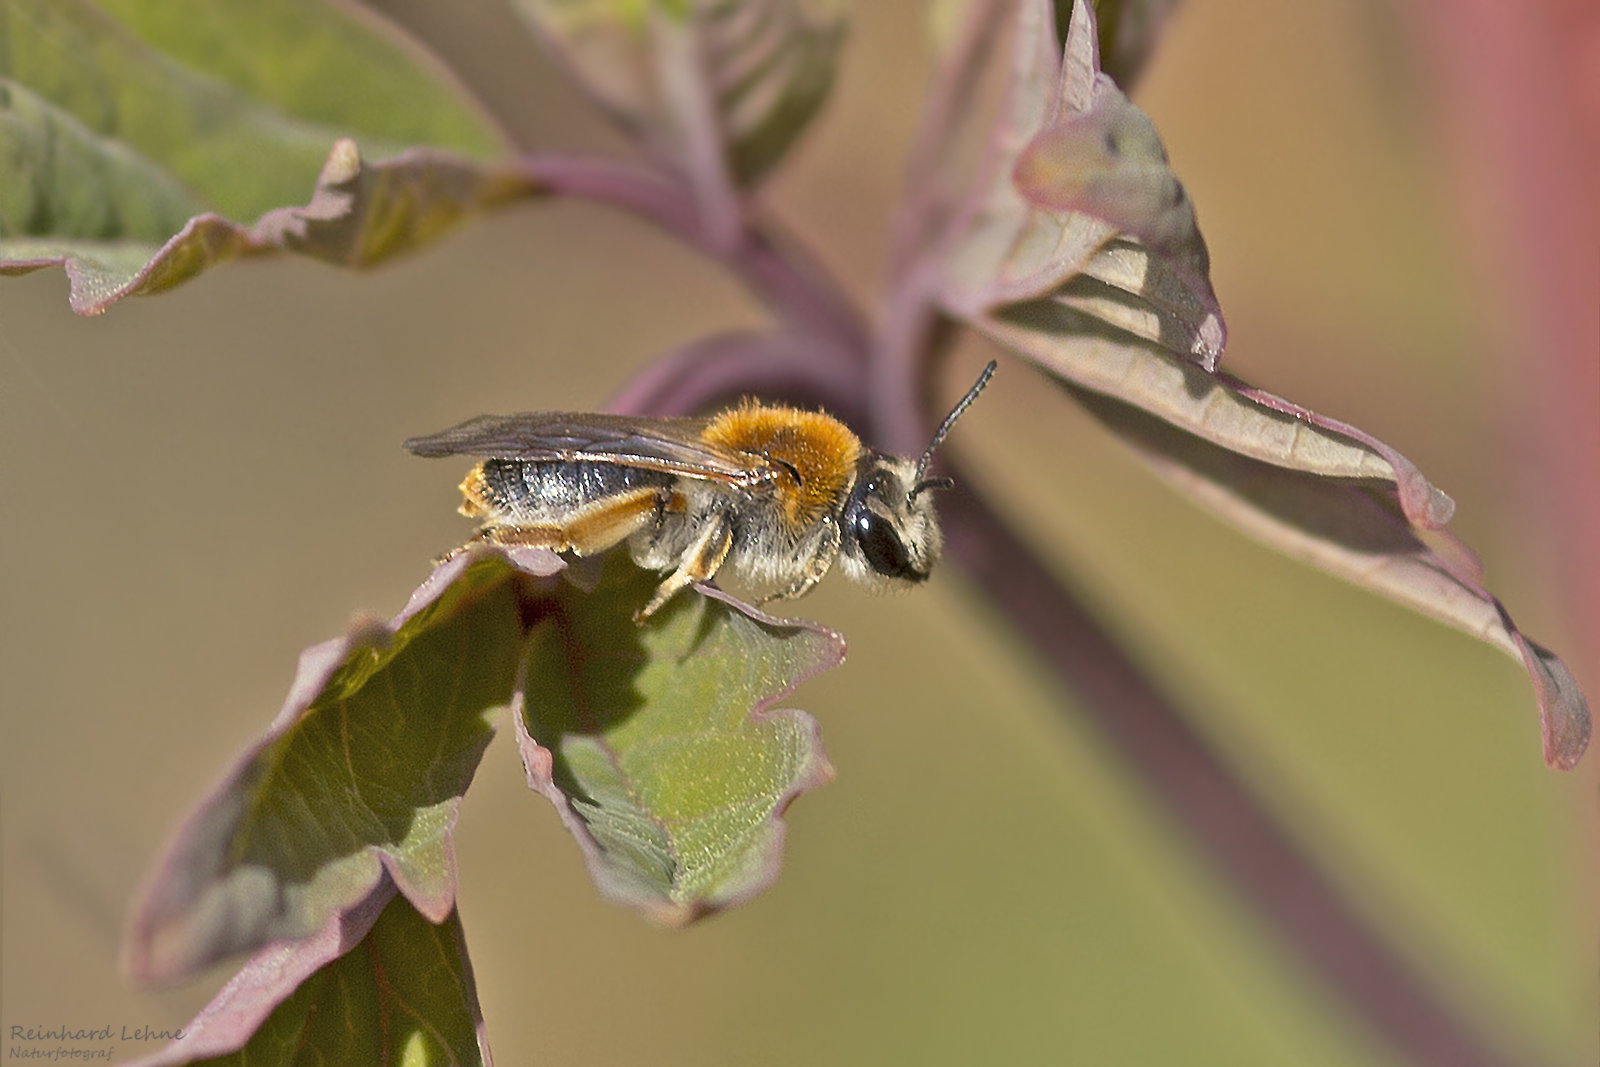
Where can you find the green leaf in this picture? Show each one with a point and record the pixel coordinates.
(384, 986)
(244, 145)
(62, 179)
(656, 744)
(720, 87)
(361, 774)
(334, 64)
(359, 215)
(110, 144)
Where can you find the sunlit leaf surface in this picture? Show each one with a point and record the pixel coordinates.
(245, 125)
(336, 64)
(659, 746)
(668, 765)
(382, 986)
(361, 773)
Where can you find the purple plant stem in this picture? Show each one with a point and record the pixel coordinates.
(910, 335)
(726, 366)
(772, 265)
(953, 81)
(1199, 792)
(911, 330)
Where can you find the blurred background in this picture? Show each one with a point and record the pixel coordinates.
(199, 486)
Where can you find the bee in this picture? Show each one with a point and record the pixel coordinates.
(774, 493)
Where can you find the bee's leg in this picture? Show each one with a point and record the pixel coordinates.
(613, 520)
(826, 551)
(699, 564)
(799, 587)
(522, 537)
(509, 537)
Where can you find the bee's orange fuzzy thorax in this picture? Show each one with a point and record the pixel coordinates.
(819, 446)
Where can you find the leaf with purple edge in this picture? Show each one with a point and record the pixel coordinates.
(360, 774)
(1375, 523)
(1086, 351)
(378, 985)
(1113, 328)
(657, 744)
(359, 215)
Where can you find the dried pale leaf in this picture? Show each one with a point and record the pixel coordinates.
(378, 985)
(999, 244)
(1083, 349)
(657, 744)
(1315, 498)
(1129, 33)
(1108, 162)
(1077, 186)
(359, 215)
(360, 775)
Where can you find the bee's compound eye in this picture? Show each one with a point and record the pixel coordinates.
(882, 550)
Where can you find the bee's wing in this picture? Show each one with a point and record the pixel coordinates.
(671, 445)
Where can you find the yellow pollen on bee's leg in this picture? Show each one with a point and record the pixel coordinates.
(474, 494)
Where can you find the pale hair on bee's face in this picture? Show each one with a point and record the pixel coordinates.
(890, 534)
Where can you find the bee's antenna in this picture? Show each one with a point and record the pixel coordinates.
(944, 428)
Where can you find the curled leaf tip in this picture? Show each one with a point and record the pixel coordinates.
(1563, 709)
(1108, 162)
(343, 164)
(1209, 341)
(367, 630)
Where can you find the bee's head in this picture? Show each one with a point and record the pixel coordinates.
(889, 533)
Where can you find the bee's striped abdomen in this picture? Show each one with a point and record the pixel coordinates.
(534, 491)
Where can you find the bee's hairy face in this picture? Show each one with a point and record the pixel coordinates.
(889, 531)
